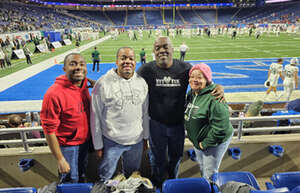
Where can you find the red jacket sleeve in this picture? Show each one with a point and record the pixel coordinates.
(50, 113)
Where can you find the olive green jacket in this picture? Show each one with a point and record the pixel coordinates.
(207, 119)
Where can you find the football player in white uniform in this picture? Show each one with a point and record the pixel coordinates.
(273, 75)
(291, 78)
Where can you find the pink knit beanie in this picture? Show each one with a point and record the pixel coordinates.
(204, 68)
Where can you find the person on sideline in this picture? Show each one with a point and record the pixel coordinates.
(274, 73)
(290, 78)
(65, 119)
(206, 121)
(183, 49)
(143, 56)
(27, 54)
(167, 79)
(119, 117)
(96, 59)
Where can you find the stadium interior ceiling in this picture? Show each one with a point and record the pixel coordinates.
(236, 3)
(118, 5)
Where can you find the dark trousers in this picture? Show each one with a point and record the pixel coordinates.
(182, 54)
(166, 149)
(28, 59)
(143, 60)
(94, 64)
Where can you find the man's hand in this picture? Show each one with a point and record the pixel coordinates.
(92, 83)
(63, 166)
(99, 153)
(218, 92)
(200, 145)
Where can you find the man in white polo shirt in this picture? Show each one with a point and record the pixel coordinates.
(183, 49)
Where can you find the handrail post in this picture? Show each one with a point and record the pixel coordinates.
(24, 141)
(240, 128)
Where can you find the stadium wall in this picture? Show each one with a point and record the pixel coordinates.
(255, 158)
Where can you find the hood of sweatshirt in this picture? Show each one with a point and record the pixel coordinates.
(65, 82)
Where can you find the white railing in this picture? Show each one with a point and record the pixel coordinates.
(240, 130)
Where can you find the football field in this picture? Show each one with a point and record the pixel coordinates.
(204, 48)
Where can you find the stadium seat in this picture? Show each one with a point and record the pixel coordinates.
(222, 178)
(18, 190)
(285, 179)
(296, 190)
(276, 190)
(71, 188)
(188, 185)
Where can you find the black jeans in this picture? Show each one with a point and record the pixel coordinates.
(182, 54)
(94, 63)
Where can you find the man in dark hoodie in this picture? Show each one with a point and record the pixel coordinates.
(65, 119)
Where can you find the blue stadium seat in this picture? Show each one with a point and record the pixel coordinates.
(276, 190)
(244, 177)
(187, 185)
(285, 179)
(296, 190)
(18, 190)
(72, 188)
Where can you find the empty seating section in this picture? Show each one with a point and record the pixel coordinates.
(96, 16)
(225, 15)
(209, 16)
(135, 18)
(154, 18)
(118, 17)
(190, 17)
(169, 17)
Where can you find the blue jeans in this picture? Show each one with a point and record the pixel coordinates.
(131, 158)
(210, 159)
(77, 157)
(166, 145)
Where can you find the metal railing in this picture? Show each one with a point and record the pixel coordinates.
(240, 130)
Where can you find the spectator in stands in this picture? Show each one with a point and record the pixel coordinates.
(15, 121)
(2, 59)
(120, 123)
(27, 54)
(210, 138)
(44, 40)
(96, 59)
(183, 49)
(274, 73)
(167, 79)
(143, 56)
(7, 57)
(290, 78)
(65, 119)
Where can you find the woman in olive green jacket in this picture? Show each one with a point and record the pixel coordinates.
(206, 121)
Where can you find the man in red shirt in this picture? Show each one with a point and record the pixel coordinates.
(65, 119)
